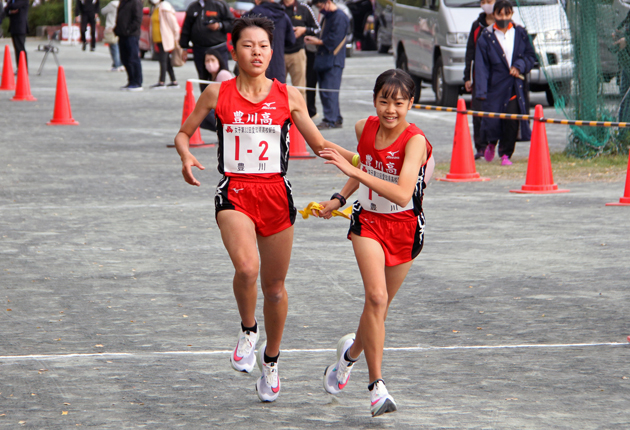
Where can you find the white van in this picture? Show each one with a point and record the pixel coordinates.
(429, 41)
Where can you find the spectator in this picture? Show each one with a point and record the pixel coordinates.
(485, 19)
(216, 71)
(165, 32)
(17, 11)
(109, 37)
(311, 79)
(504, 56)
(206, 25)
(128, 22)
(304, 23)
(330, 60)
(86, 11)
(282, 35)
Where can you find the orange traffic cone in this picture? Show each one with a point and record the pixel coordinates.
(625, 200)
(297, 145)
(189, 105)
(539, 179)
(23, 87)
(62, 114)
(8, 80)
(462, 160)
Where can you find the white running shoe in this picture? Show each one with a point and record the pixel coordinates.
(268, 385)
(337, 376)
(382, 402)
(243, 359)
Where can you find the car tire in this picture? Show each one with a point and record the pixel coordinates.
(445, 95)
(401, 63)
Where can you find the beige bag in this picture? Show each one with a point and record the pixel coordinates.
(178, 56)
(109, 37)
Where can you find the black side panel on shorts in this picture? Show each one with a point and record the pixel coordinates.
(284, 146)
(418, 193)
(221, 201)
(292, 209)
(418, 238)
(220, 148)
(355, 222)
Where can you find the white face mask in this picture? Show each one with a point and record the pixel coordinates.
(154, 2)
(487, 8)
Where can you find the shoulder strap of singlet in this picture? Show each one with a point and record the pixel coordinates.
(369, 130)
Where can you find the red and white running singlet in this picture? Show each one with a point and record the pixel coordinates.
(253, 137)
(386, 164)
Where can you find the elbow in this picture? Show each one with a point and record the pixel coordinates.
(403, 200)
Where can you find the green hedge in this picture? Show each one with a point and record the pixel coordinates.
(47, 13)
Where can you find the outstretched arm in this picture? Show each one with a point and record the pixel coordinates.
(400, 193)
(302, 120)
(207, 101)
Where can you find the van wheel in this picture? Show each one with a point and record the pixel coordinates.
(401, 63)
(445, 95)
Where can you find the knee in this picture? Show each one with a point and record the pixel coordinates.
(247, 273)
(274, 292)
(377, 300)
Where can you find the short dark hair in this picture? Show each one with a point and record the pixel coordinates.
(256, 21)
(502, 5)
(314, 2)
(394, 82)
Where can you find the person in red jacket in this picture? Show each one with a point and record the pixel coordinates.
(253, 201)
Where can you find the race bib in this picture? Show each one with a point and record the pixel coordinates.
(373, 202)
(251, 148)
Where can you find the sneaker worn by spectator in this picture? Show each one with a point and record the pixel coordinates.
(158, 86)
(505, 161)
(489, 152)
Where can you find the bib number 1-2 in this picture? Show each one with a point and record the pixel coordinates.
(251, 148)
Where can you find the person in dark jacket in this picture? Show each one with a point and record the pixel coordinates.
(206, 25)
(86, 11)
(304, 24)
(282, 35)
(17, 11)
(485, 19)
(128, 22)
(504, 57)
(330, 60)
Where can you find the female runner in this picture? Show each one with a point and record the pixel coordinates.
(387, 227)
(253, 200)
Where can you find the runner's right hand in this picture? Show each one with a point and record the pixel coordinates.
(187, 164)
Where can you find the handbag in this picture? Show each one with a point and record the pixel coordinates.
(109, 37)
(177, 56)
(326, 61)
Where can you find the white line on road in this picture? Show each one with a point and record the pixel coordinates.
(301, 351)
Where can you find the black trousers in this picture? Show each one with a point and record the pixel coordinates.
(18, 46)
(477, 104)
(509, 130)
(130, 57)
(165, 64)
(311, 82)
(85, 20)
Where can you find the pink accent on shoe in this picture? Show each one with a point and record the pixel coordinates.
(236, 357)
(505, 161)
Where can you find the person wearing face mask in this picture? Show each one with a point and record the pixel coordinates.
(330, 60)
(165, 33)
(216, 71)
(485, 19)
(503, 58)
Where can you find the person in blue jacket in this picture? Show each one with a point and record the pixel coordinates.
(504, 57)
(283, 35)
(330, 60)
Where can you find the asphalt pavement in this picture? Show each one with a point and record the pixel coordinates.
(119, 312)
